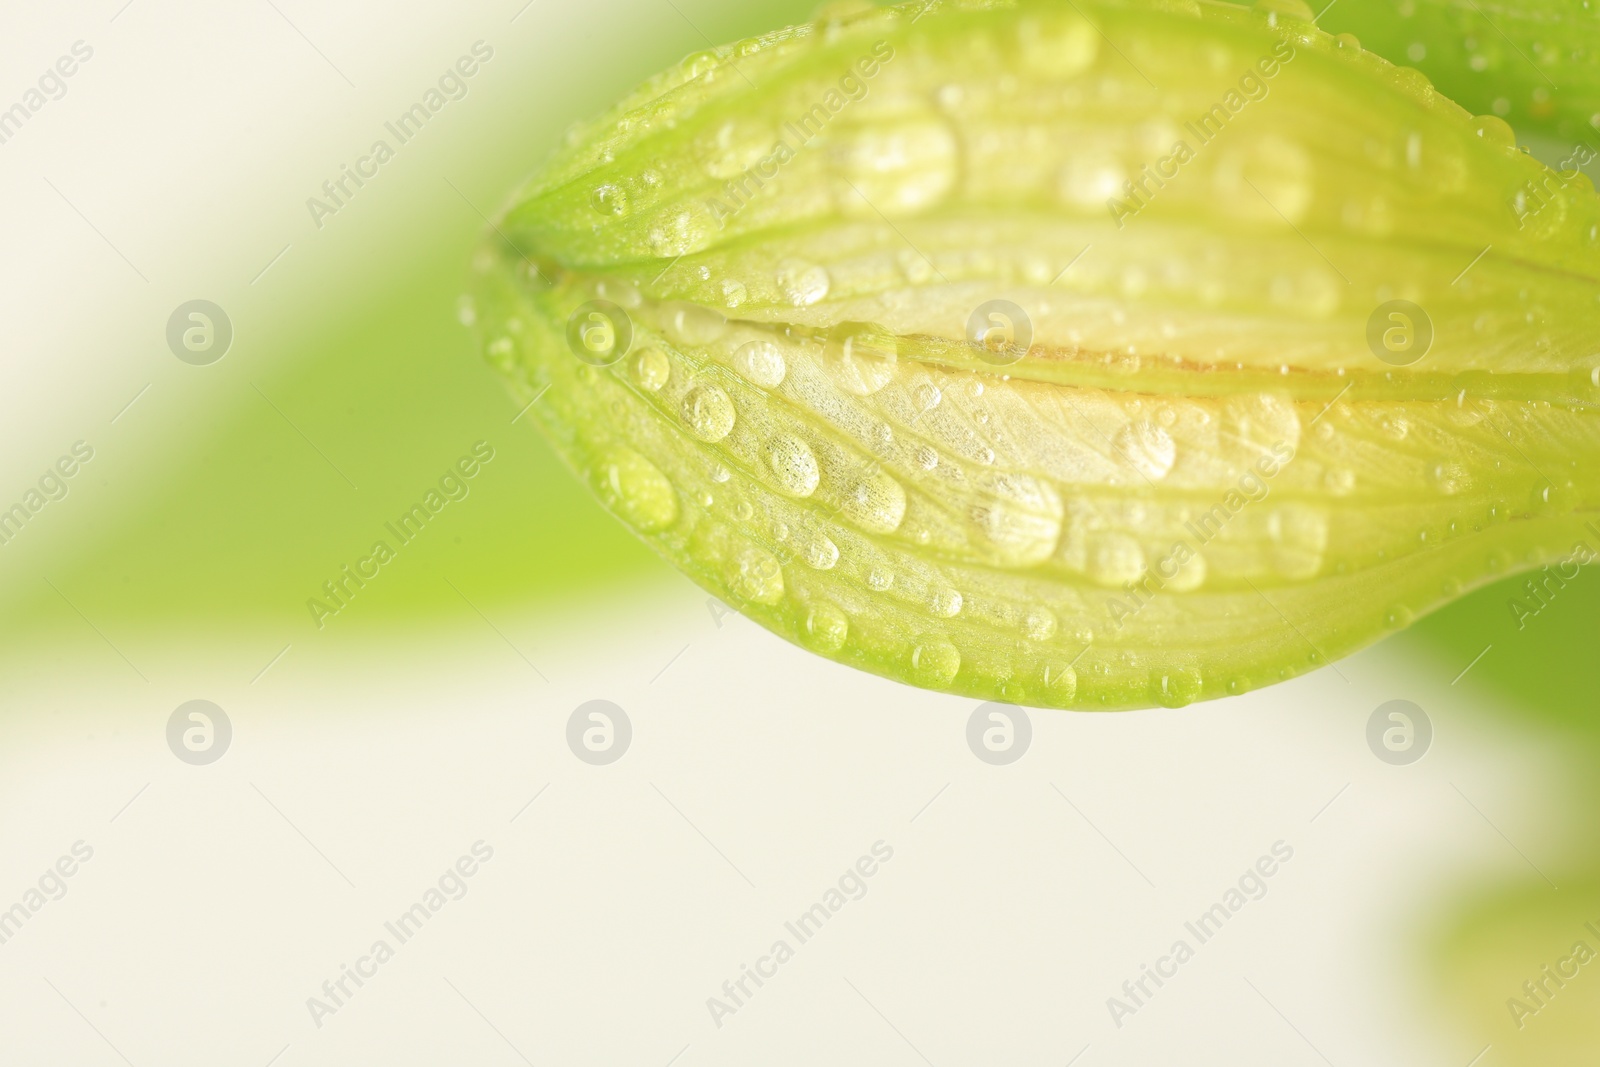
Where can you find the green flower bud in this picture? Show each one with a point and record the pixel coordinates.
(1088, 355)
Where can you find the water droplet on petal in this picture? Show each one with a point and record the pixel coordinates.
(821, 553)
(1175, 687)
(935, 662)
(827, 627)
(1115, 559)
(610, 199)
(638, 492)
(1147, 447)
(651, 369)
(801, 283)
(876, 504)
(793, 466)
(945, 603)
(693, 324)
(1039, 624)
(761, 363)
(709, 412)
(755, 576)
(861, 357)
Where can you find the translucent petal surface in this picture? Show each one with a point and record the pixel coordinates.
(1091, 355)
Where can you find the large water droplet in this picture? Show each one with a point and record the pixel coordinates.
(1495, 131)
(754, 574)
(651, 369)
(1449, 478)
(1019, 521)
(1147, 448)
(826, 627)
(632, 487)
(709, 412)
(945, 603)
(1115, 559)
(1060, 683)
(1299, 536)
(896, 169)
(876, 503)
(610, 199)
(793, 466)
(692, 324)
(861, 357)
(1175, 687)
(761, 362)
(681, 230)
(935, 662)
(801, 283)
(820, 553)
(1039, 624)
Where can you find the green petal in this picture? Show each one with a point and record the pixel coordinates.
(1169, 464)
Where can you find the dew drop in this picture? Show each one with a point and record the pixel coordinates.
(1495, 131)
(1019, 521)
(1175, 687)
(793, 466)
(1039, 624)
(801, 283)
(826, 627)
(761, 363)
(1114, 559)
(692, 324)
(651, 369)
(1060, 683)
(754, 574)
(709, 412)
(821, 553)
(680, 230)
(503, 353)
(861, 357)
(1448, 478)
(877, 504)
(945, 603)
(638, 492)
(935, 662)
(610, 199)
(907, 166)
(1147, 447)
